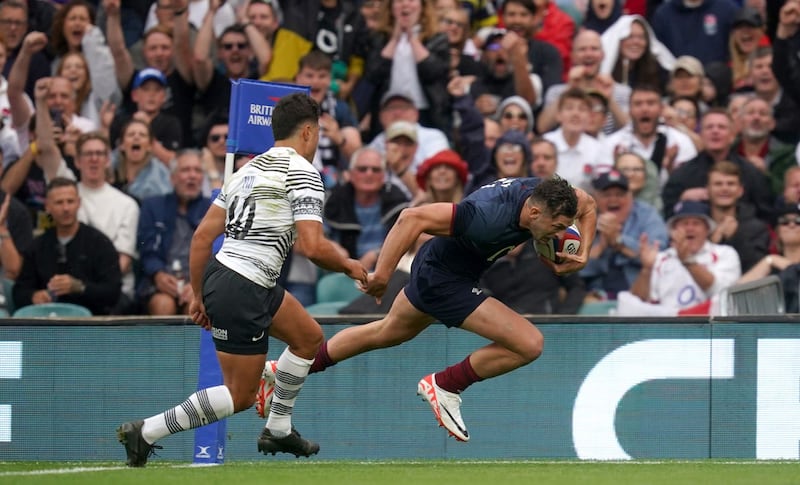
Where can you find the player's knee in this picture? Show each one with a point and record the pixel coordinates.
(532, 347)
(243, 400)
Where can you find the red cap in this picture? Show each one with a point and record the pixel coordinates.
(444, 157)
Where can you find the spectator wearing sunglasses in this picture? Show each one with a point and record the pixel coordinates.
(786, 263)
(243, 53)
(360, 213)
(213, 152)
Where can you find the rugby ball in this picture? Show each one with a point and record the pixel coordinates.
(569, 243)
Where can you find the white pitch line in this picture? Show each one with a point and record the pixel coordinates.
(61, 471)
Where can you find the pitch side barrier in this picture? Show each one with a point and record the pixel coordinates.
(605, 388)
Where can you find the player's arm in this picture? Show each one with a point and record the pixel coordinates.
(586, 221)
(212, 225)
(312, 243)
(434, 219)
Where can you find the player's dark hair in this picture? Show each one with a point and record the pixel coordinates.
(556, 196)
(291, 113)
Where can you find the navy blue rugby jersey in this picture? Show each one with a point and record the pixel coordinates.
(485, 227)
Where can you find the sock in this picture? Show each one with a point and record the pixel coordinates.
(323, 360)
(457, 377)
(289, 378)
(201, 408)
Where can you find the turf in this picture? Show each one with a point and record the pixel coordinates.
(409, 472)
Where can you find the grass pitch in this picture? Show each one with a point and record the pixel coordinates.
(705, 472)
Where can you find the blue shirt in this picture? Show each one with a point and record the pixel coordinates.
(485, 227)
(643, 218)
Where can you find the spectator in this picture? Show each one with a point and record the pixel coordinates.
(108, 210)
(167, 50)
(407, 53)
(399, 106)
(686, 275)
(463, 53)
(371, 11)
(601, 14)
(686, 81)
(93, 81)
(544, 158)
(597, 115)
(213, 152)
(667, 147)
(514, 113)
(633, 54)
(9, 139)
(267, 16)
(683, 114)
(505, 73)
(785, 264)
(16, 235)
(791, 188)
(61, 100)
(195, 11)
(747, 35)
(166, 226)
(441, 178)
(784, 108)
(736, 223)
(785, 65)
(689, 181)
(587, 56)
(642, 175)
(150, 94)
(71, 24)
(735, 103)
(339, 137)
(511, 157)
(760, 147)
(402, 147)
(556, 28)
(362, 211)
(71, 262)
(242, 52)
(24, 179)
(614, 259)
(698, 28)
(338, 31)
(578, 153)
(523, 18)
(135, 170)
(15, 22)
(55, 141)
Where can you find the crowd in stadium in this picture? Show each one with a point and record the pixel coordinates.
(679, 116)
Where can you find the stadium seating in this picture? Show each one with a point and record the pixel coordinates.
(336, 287)
(763, 296)
(53, 310)
(608, 307)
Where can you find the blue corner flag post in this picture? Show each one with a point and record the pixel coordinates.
(249, 132)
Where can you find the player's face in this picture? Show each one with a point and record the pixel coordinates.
(544, 226)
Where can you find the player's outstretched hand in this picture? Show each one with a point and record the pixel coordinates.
(197, 310)
(356, 271)
(376, 286)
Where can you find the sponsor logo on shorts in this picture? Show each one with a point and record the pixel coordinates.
(220, 333)
(256, 339)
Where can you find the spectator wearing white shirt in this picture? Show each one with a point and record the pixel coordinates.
(685, 276)
(577, 151)
(667, 147)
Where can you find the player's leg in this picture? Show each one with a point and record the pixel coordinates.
(303, 336)
(402, 323)
(519, 343)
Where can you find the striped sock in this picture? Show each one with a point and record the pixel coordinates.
(203, 407)
(289, 378)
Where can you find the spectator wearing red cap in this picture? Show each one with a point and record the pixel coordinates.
(442, 179)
